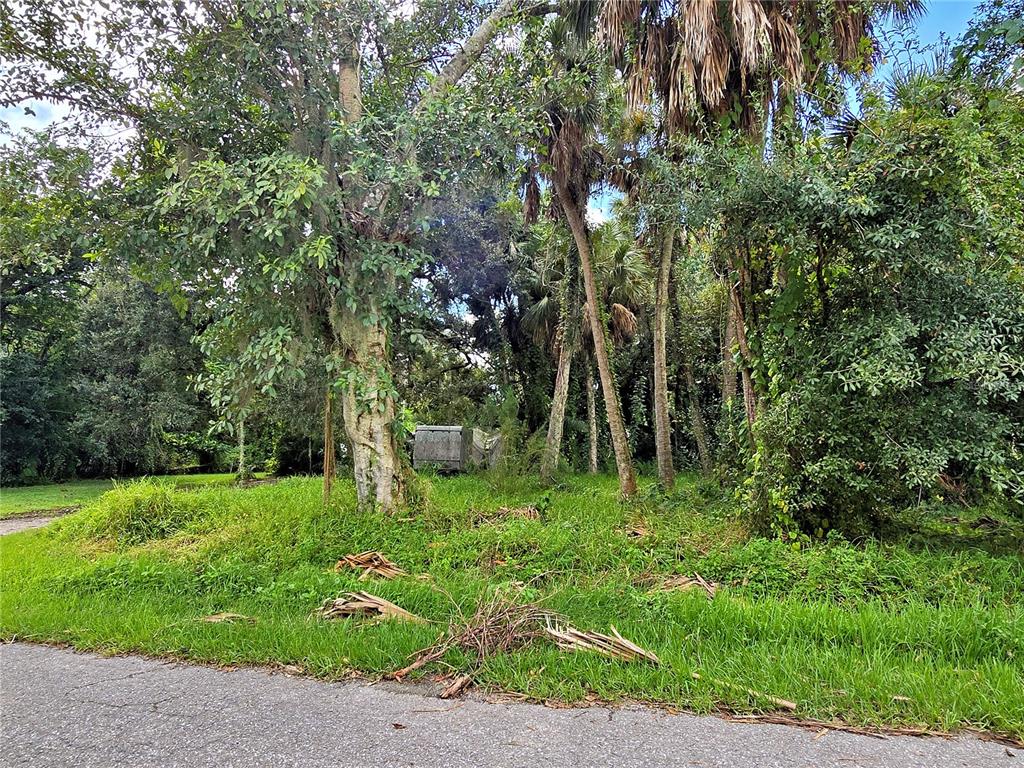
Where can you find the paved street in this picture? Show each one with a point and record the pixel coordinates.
(61, 708)
(24, 522)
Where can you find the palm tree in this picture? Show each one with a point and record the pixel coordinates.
(551, 320)
(573, 103)
(560, 321)
(713, 64)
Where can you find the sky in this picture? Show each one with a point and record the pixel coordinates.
(945, 16)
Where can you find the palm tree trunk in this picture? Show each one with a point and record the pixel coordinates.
(620, 443)
(592, 419)
(700, 434)
(556, 421)
(662, 420)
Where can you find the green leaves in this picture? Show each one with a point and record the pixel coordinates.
(884, 318)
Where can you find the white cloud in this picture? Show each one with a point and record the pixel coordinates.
(44, 115)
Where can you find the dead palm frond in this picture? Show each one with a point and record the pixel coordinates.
(498, 626)
(371, 563)
(787, 50)
(356, 604)
(614, 646)
(712, 55)
(615, 23)
(622, 323)
(750, 27)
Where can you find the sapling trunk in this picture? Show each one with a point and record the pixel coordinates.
(556, 420)
(662, 420)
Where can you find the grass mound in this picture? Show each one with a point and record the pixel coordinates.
(137, 512)
(909, 632)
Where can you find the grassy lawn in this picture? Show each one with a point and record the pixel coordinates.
(924, 632)
(41, 498)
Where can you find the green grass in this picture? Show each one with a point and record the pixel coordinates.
(41, 498)
(905, 633)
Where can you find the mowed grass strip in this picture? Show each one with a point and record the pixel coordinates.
(884, 634)
(27, 499)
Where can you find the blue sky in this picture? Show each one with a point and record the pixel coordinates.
(945, 16)
(943, 20)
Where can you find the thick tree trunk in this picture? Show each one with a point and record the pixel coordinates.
(370, 412)
(329, 466)
(243, 470)
(700, 434)
(662, 419)
(620, 443)
(368, 403)
(592, 419)
(556, 421)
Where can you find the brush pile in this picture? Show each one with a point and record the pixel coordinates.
(614, 646)
(371, 563)
(498, 626)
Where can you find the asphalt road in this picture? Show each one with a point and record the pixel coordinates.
(24, 522)
(60, 708)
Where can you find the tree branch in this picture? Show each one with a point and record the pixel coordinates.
(459, 64)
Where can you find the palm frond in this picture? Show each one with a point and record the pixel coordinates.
(622, 323)
(696, 22)
(750, 28)
(540, 319)
(615, 21)
(581, 17)
(785, 44)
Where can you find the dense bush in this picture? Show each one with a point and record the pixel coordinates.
(882, 285)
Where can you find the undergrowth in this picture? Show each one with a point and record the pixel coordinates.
(924, 630)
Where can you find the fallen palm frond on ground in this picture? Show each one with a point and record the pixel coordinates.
(227, 618)
(498, 626)
(364, 604)
(780, 703)
(614, 645)
(617, 647)
(371, 563)
(875, 732)
(691, 582)
(504, 513)
(638, 530)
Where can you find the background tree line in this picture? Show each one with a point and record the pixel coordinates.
(346, 222)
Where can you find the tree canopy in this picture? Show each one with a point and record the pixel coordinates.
(265, 221)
